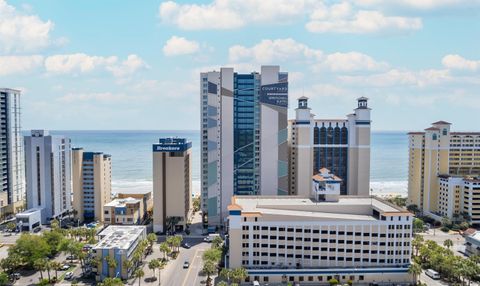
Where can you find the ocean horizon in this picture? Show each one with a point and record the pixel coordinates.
(131, 152)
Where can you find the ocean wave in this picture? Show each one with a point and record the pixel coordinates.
(390, 188)
(143, 185)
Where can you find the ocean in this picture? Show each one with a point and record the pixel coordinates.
(132, 157)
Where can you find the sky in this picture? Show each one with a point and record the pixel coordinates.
(128, 65)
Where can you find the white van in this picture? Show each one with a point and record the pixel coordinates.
(255, 283)
(432, 274)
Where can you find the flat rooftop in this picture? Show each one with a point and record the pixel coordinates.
(135, 192)
(348, 207)
(119, 236)
(122, 202)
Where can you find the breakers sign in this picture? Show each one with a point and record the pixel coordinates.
(169, 148)
(275, 94)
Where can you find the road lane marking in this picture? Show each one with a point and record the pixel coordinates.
(190, 268)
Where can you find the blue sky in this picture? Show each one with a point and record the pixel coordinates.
(135, 64)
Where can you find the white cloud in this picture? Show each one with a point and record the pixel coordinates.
(419, 4)
(104, 97)
(396, 77)
(83, 63)
(179, 46)
(460, 63)
(268, 51)
(223, 14)
(132, 64)
(352, 61)
(19, 64)
(19, 32)
(344, 18)
(289, 50)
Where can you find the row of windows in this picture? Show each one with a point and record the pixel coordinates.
(323, 231)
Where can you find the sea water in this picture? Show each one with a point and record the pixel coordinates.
(132, 157)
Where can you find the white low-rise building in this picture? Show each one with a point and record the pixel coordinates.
(299, 239)
(29, 219)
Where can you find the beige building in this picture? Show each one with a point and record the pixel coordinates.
(442, 170)
(92, 183)
(299, 239)
(123, 211)
(144, 196)
(340, 145)
(172, 184)
(118, 242)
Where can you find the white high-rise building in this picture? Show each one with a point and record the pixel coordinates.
(11, 152)
(48, 173)
(244, 137)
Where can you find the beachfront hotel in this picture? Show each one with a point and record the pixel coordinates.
(172, 184)
(12, 192)
(243, 137)
(92, 184)
(443, 172)
(354, 239)
(340, 145)
(48, 174)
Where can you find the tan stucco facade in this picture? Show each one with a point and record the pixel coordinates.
(92, 183)
(172, 188)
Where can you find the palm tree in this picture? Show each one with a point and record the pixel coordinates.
(239, 274)
(39, 265)
(226, 274)
(417, 243)
(415, 270)
(48, 267)
(151, 238)
(153, 265)
(217, 242)
(209, 268)
(448, 243)
(55, 265)
(111, 262)
(127, 264)
(139, 274)
(165, 249)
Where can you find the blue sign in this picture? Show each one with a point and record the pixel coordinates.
(275, 94)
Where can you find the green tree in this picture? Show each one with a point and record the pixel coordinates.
(4, 279)
(209, 268)
(196, 204)
(165, 249)
(153, 265)
(11, 226)
(333, 282)
(72, 247)
(112, 263)
(40, 265)
(127, 264)
(11, 263)
(415, 270)
(217, 242)
(226, 274)
(48, 267)
(413, 209)
(55, 224)
(418, 225)
(30, 248)
(111, 282)
(55, 265)
(139, 274)
(448, 243)
(151, 238)
(53, 239)
(222, 283)
(417, 242)
(213, 255)
(239, 274)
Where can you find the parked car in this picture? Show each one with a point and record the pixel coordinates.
(68, 275)
(37, 229)
(186, 264)
(71, 257)
(64, 267)
(186, 245)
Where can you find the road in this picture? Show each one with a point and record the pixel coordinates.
(439, 237)
(175, 274)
